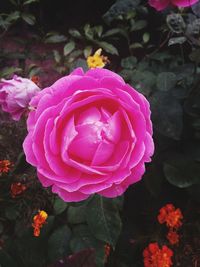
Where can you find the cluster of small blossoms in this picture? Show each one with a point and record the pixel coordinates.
(17, 189)
(97, 60)
(157, 257)
(38, 221)
(172, 217)
(5, 166)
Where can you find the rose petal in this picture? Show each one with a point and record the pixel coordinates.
(69, 197)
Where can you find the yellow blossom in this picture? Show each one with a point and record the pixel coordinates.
(97, 60)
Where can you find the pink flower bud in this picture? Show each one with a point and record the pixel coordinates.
(15, 95)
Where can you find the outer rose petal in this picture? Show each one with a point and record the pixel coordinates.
(89, 133)
(184, 3)
(162, 4)
(159, 4)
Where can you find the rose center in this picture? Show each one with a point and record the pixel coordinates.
(96, 136)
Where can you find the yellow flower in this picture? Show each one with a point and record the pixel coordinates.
(97, 60)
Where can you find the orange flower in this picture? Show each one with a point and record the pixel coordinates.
(17, 189)
(173, 237)
(156, 257)
(36, 231)
(5, 166)
(171, 216)
(36, 80)
(38, 221)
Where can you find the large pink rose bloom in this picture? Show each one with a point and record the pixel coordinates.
(162, 4)
(15, 95)
(89, 133)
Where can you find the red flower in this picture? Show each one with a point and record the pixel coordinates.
(156, 257)
(171, 216)
(17, 189)
(107, 249)
(5, 166)
(173, 237)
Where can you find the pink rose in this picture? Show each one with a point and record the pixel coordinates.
(15, 95)
(89, 133)
(162, 4)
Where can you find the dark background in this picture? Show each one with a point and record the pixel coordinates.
(62, 14)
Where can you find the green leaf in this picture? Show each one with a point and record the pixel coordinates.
(20, 164)
(143, 81)
(59, 205)
(58, 243)
(98, 29)
(89, 33)
(129, 62)
(27, 2)
(8, 71)
(195, 56)
(136, 45)
(28, 18)
(177, 40)
(79, 63)
(13, 2)
(13, 16)
(115, 31)
(87, 51)
(120, 7)
(57, 56)
(76, 215)
(109, 48)
(83, 239)
(74, 33)
(193, 28)
(153, 179)
(146, 37)
(166, 81)
(182, 171)
(34, 71)
(103, 219)
(68, 48)
(55, 38)
(167, 114)
(138, 25)
(196, 9)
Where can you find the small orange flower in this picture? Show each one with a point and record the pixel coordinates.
(38, 221)
(156, 257)
(36, 231)
(5, 166)
(171, 216)
(97, 60)
(17, 189)
(173, 237)
(36, 80)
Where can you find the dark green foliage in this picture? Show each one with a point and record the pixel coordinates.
(103, 219)
(158, 54)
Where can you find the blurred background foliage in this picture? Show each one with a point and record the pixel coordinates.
(159, 55)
